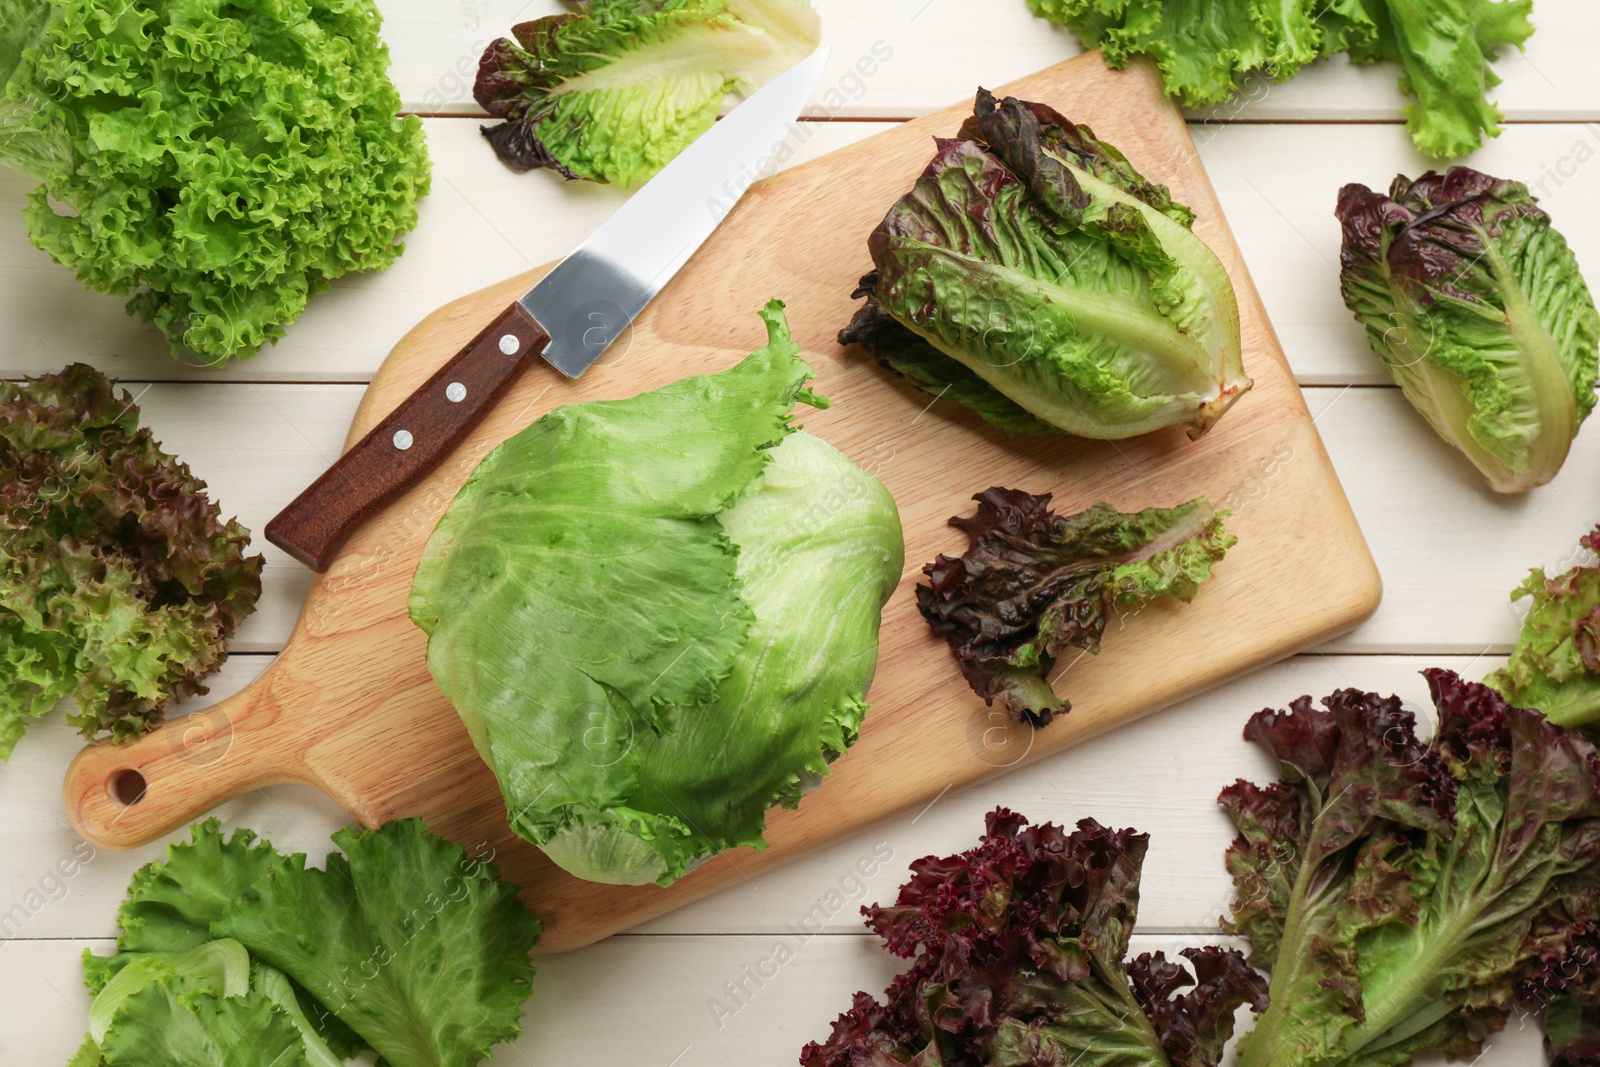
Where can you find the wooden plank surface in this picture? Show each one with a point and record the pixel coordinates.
(1448, 551)
(350, 706)
(1276, 183)
(939, 46)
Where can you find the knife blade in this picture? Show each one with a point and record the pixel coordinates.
(570, 317)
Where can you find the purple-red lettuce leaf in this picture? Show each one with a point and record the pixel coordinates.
(1033, 583)
(1018, 951)
(1398, 890)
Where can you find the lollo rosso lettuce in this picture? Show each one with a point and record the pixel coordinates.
(1033, 275)
(658, 617)
(1033, 584)
(614, 89)
(121, 582)
(1407, 895)
(1018, 953)
(1476, 306)
(220, 162)
(1208, 53)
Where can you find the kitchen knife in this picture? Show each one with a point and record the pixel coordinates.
(570, 317)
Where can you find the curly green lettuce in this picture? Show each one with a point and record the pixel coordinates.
(1209, 50)
(614, 89)
(220, 162)
(119, 582)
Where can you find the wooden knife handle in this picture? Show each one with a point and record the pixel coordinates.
(409, 442)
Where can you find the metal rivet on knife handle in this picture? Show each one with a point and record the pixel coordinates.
(408, 442)
(509, 344)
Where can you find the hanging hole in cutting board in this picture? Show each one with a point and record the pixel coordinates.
(126, 787)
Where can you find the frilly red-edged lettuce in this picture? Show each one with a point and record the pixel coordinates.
(1019, 956)
(119, 582)
(1033, 583)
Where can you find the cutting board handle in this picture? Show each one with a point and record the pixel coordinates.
(123, 795)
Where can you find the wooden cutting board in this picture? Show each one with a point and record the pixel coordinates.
(349, 707)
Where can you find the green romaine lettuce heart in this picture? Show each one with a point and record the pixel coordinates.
(614, 90)
(120, 583)
(1037, 277)
(1476, 306)
(220, 160)
(658, 616)
(1211, 50)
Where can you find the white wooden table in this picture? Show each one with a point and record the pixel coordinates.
(697, 987)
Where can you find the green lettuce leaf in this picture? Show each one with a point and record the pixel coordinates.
(1039, 260)
(172, 903)
(421, 951)
(658, 616)
(1211, 50)
(613, 91)
(157, 1025)
(1476, 307)
(220, 164)
(121, 583)
(1556, 664)
(1032, 584)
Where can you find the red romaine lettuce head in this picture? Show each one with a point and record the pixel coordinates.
(614, 89)
(119, 582)
(1035, 276)
(1406, 895)
(1018, 953)
(1475, 304)
(1033, 583)
(1556, 664)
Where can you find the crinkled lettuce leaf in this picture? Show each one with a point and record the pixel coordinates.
(1398, 890)
(402, 944)
(1018, 953)
(1476, 306)
(219, 164)
(1039, 262)
(1211, 50)
(418, 949)
(1033, 583)
(119, 582)
(613, 90)
(1555, 666)
(659, 616)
